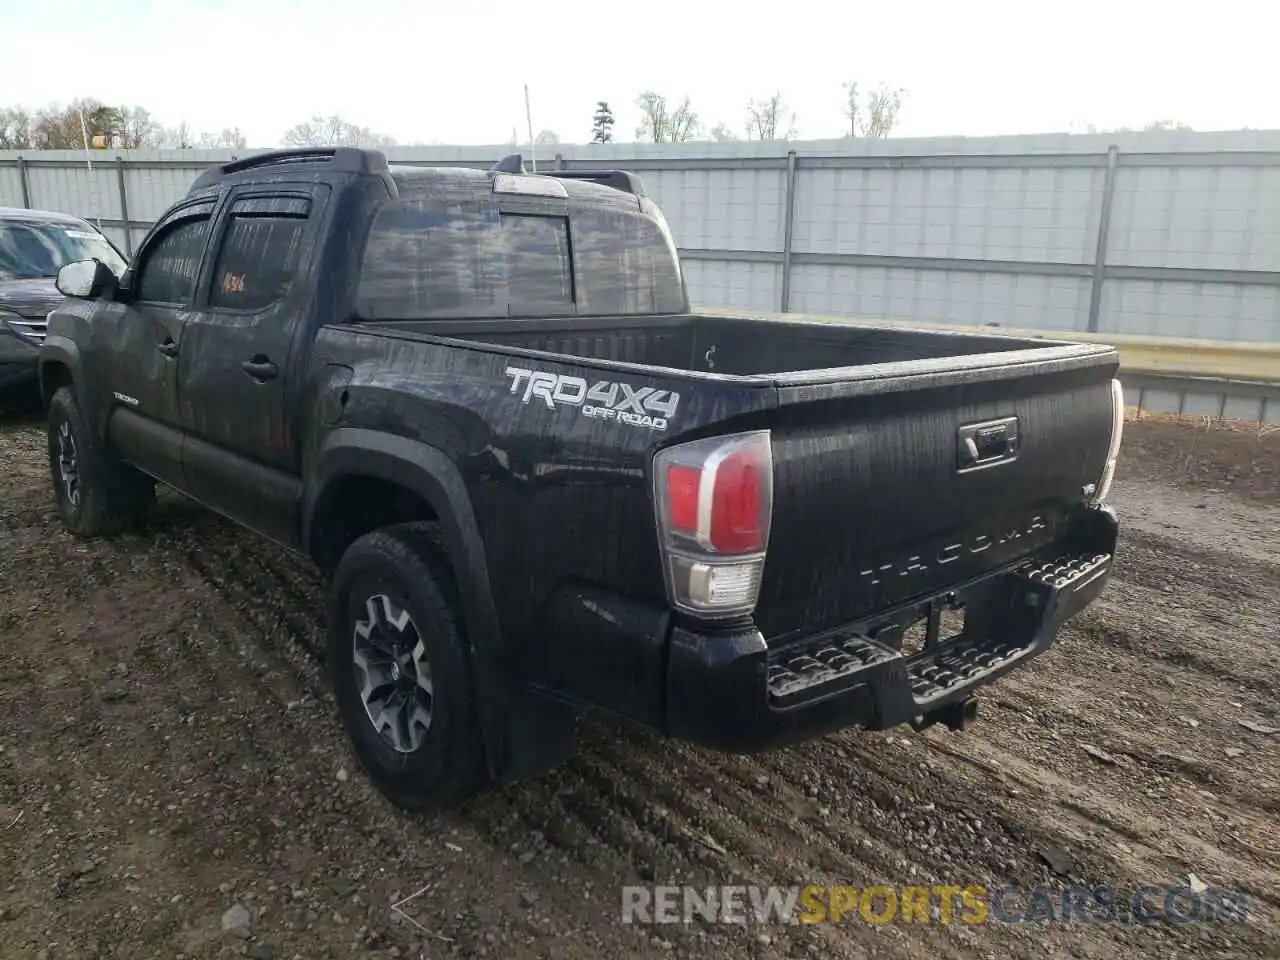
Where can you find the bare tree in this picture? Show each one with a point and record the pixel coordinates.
(878, 116)
(15, 129)
(659, 123)
(182, 137)
(65, 128)
(720, 133)
(178, 137)
(137, 128)
(333, 131)
(122, 128)
(769, 120)
(228, 137)
(546, 138)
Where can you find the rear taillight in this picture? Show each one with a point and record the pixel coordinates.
(714, 501)
(1113, 448)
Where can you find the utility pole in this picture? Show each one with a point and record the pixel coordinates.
(528, 116)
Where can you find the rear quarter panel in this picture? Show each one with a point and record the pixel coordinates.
(561, 494)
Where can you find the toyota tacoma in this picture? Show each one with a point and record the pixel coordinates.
(537, 482)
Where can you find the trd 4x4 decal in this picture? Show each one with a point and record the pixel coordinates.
(603, 400)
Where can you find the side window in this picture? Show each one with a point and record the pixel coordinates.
(168, 272)
(260, 255)
(539, 268)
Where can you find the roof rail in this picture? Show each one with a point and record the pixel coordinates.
(511, 163)
(336, 159)
(623, 180)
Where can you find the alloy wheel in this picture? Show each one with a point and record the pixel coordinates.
(68, 464)
(393, 674)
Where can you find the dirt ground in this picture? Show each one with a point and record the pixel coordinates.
(168, 751)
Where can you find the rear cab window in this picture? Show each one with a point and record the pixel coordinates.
(433, 254)
(539, 264)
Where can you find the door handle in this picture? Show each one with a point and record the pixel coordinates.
(987, 444)
(169, 348)
(260, 368)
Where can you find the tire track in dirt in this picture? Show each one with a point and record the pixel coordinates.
(633, 799)
(269, 625)
(755, 832)
(650, 789)
(816, 848)
(1102, 628)
(1158, 560)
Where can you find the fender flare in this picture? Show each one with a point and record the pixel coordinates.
(429, 472)
(59, 350)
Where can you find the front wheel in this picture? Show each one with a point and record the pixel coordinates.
(400, 670)
(96, 493)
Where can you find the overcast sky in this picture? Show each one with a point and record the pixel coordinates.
(453, 72)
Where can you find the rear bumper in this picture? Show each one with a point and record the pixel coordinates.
(732, 692)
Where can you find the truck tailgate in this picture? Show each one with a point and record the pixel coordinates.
(898, 481)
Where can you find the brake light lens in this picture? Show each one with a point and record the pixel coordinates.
(682, 498)
(1113, 449)
(735, 504)
(714, 501)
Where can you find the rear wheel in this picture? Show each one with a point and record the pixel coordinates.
(400, 670)
(96, 493)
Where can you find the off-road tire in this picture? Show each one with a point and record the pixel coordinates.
(107, 496)
(405, 564)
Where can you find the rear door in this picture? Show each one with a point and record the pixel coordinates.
(138, 343)
(240, 368)
(893, 487)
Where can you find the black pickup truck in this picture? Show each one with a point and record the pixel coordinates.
(537, 482)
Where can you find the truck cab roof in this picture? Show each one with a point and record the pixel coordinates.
(617, 187)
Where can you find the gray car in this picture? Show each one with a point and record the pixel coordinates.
(34, 246)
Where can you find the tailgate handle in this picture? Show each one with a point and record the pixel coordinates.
(987, 444)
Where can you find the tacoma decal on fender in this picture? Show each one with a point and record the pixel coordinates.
(604, 399)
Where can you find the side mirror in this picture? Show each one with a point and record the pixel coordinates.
(86, 280)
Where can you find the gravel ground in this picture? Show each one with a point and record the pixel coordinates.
(169, 755)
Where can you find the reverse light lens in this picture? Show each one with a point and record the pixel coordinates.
(1113, 449)
(714, 501)
(713, 587)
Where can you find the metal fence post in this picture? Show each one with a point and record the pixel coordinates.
(124, 207)
(788, 228)
(1104, 226)
(22, 180)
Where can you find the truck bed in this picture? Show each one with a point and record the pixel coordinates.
(726, 345)
(871, 507)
